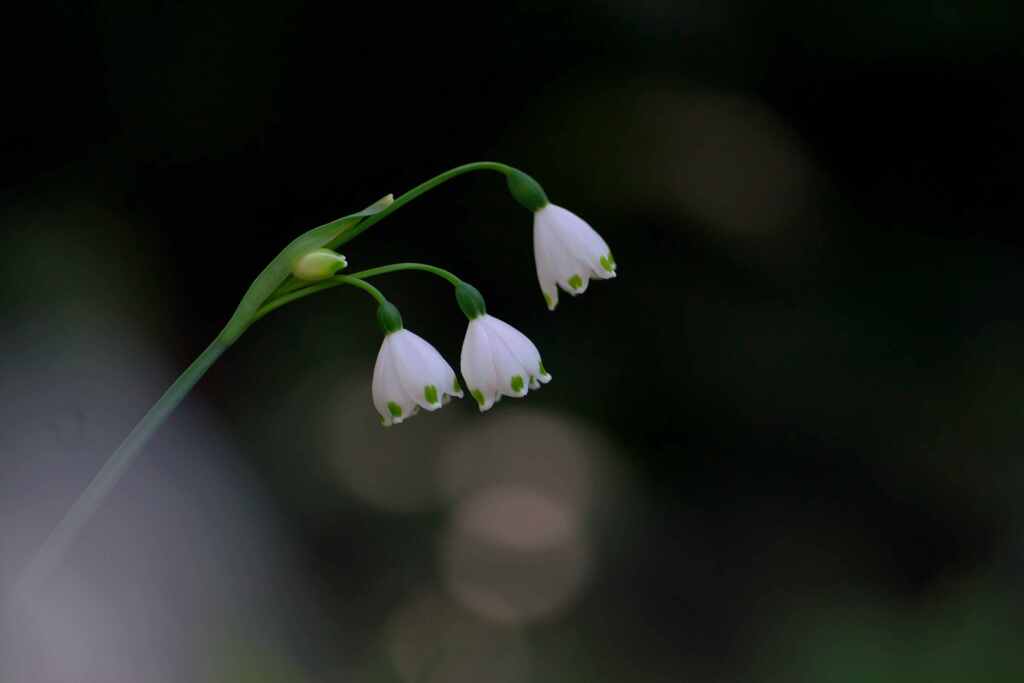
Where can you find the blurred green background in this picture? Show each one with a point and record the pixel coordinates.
(783, 445)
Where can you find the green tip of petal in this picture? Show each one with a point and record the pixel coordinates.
(478, 395)
(430, 393)
(549, 301)
(456, 387)
(576, 282)
(543, 370)
(517, 383)
(394, 409)
(608, 263)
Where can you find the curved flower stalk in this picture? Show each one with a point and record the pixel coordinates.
(497, 360)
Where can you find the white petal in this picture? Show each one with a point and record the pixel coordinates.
(419, 366)
(441, 373)
(574, 252)
(520, 346)
(478, 364)
(561, 264)
(561, 260)
(513, 374)
(583, 240)
(543, 245)
(388, 395)
(378, 390)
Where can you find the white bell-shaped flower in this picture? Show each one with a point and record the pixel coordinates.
(568, 253)
(498, 360)
(410, 374)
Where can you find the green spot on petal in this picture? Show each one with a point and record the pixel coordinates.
(478, 396)
(517, 383)
(547, 299)
(394, 409)
(543, 372)
(576, 282)
(430, 393)
(608, 263)
(456, 387)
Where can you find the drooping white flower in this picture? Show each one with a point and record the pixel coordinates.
(410, 374)
(498, 360)
(568, 253)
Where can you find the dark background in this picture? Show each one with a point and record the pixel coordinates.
(786, 438)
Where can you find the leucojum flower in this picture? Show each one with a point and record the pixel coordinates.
(497, 360)
(568, 252)
(409, 374)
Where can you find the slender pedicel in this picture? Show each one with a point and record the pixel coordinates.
(296, 294)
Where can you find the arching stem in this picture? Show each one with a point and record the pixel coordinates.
(420, 189)
(337, 280)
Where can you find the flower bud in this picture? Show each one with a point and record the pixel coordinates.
(318, 265)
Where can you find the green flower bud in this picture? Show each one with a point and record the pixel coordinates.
(318, 265)
(526, 190)
(470, 300)
(389, 318)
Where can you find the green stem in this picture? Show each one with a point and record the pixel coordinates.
(319, 287)
(89, 501)
(396, 267)
(365, 286)
(337, 280)
(415, 192)
(293, 284)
